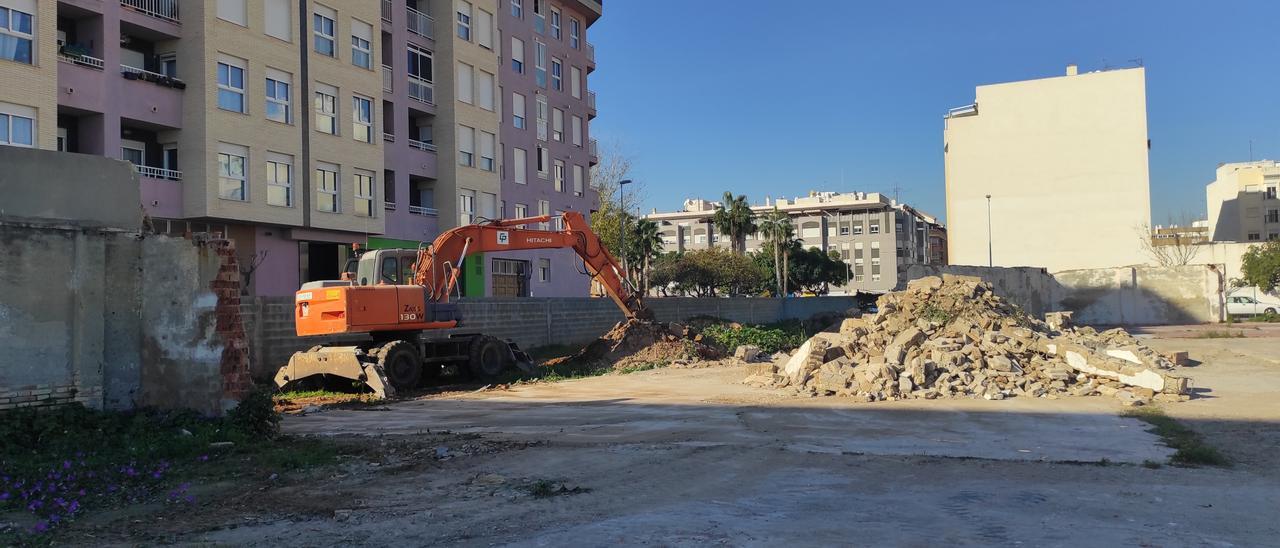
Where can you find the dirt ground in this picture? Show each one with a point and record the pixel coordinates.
(679, 457)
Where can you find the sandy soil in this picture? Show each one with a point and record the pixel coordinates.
(680, 457)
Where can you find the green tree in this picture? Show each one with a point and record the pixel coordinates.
(1260, 266)
(615, 205)
(707, 273)
(735, 219)
(776, 228)
(644, 243)
(815, 270)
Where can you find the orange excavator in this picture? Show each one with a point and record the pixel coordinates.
(396, 311)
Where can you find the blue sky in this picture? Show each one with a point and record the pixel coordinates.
(751, 96)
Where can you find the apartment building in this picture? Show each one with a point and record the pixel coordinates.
(1242, 202)
(877, 236)
(1050, 173)
(260, 119)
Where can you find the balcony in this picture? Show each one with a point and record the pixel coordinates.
(386, 10)
(422, 145)
(421, 90)
(389, 137)
(159, 173)
(150, 97)
(389, 206)
(593, 149)
(134, 73)
(82, 60)
(388, 81)
(421, 210)
(160, 9)
(420, 23)
(590, 50)
(591, 101)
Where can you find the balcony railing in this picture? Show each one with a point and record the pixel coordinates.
(160, 9)
(135, 73)
(82, 60)
(389, 206)
(591, 100)
(158, 173)
(593, 147)
(386, 10)
(422, 90)
(422, 145)
(591, 51)
(388, 81)
(420, 23)
(420, 210)
(389, 137)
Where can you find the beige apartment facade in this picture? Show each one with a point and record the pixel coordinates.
(876, 236)
(1050, 173)
(1242, 202)
(29, 101)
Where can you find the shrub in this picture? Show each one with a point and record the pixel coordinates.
(770, 338)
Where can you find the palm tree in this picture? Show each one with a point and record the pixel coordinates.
(735, 218)
(647, 245)
(777, 229)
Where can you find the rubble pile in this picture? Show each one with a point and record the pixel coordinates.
(635, 342)
(952, 337)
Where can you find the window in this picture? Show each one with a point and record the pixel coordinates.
(875, 228)
(168, 64)
(323, 27)
(279, 179)
(234, 11)
(544, 162)
(517, 9)
(361, 38)
(540, 63)
(558, 220)
(487, 206)
(17, 125)
(559, 176)
(487, 145)
(232, 179)
(540, 16)
(1271, 192)
(168, 157)
(466, 206)
(364, 193)
(133, 151)
(485, 82)
(857, 228)
(557, 124)
(484, 29)
(231, 84)
(557, 75)
(522, 211)
(544, 208)
(326, 104)
(520, 163)
(542, 117)
(575, 33)
(555, 23)
(278, 18)
(1254, 236)
(517, 55)
(517, 111)
(579, 180)
(575, 82)
(327, 188)
(464, 21)
(544, 270)
(466, 79)
(279, 100)
(577, 131)
(466, 146)
(362, 118)
(16, 35)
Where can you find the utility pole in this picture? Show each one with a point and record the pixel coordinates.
(990, 257)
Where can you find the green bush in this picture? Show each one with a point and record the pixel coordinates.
(770, 338)
(256, 415)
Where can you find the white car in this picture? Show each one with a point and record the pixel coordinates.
(1240, 305)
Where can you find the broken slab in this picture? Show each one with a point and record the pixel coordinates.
(1085, 360)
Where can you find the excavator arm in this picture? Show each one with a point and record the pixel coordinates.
(439, 265)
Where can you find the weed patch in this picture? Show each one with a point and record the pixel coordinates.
(770, 338)
(1216, 334)
(1191, 450)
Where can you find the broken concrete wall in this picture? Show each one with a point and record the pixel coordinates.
(533, 322)
(1142, 295)
(93, 311)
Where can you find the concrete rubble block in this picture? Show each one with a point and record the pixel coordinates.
(747, 352)
(834, 376)
(853, 327)
(765, 368)
(927, 283)
(1058, 321)
(1085, 360)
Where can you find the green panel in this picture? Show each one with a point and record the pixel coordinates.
(390, 243)
(473, 276)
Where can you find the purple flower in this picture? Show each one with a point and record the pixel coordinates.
(5, 495)
(75, 507)
(66, 465)
(41, 526)
(204, 458)
(191, 499)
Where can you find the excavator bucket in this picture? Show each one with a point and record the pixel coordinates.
(335, 361)
(521, 358)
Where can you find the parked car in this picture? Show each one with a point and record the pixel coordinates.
(1240, 305)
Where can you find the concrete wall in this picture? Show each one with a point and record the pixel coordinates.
(531, 322)
(1143, 295)
(1065, 162)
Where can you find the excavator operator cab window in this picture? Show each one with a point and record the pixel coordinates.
(390, 271)
(406, 269)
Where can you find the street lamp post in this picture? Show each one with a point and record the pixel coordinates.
(990, 257)
(626, 273)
